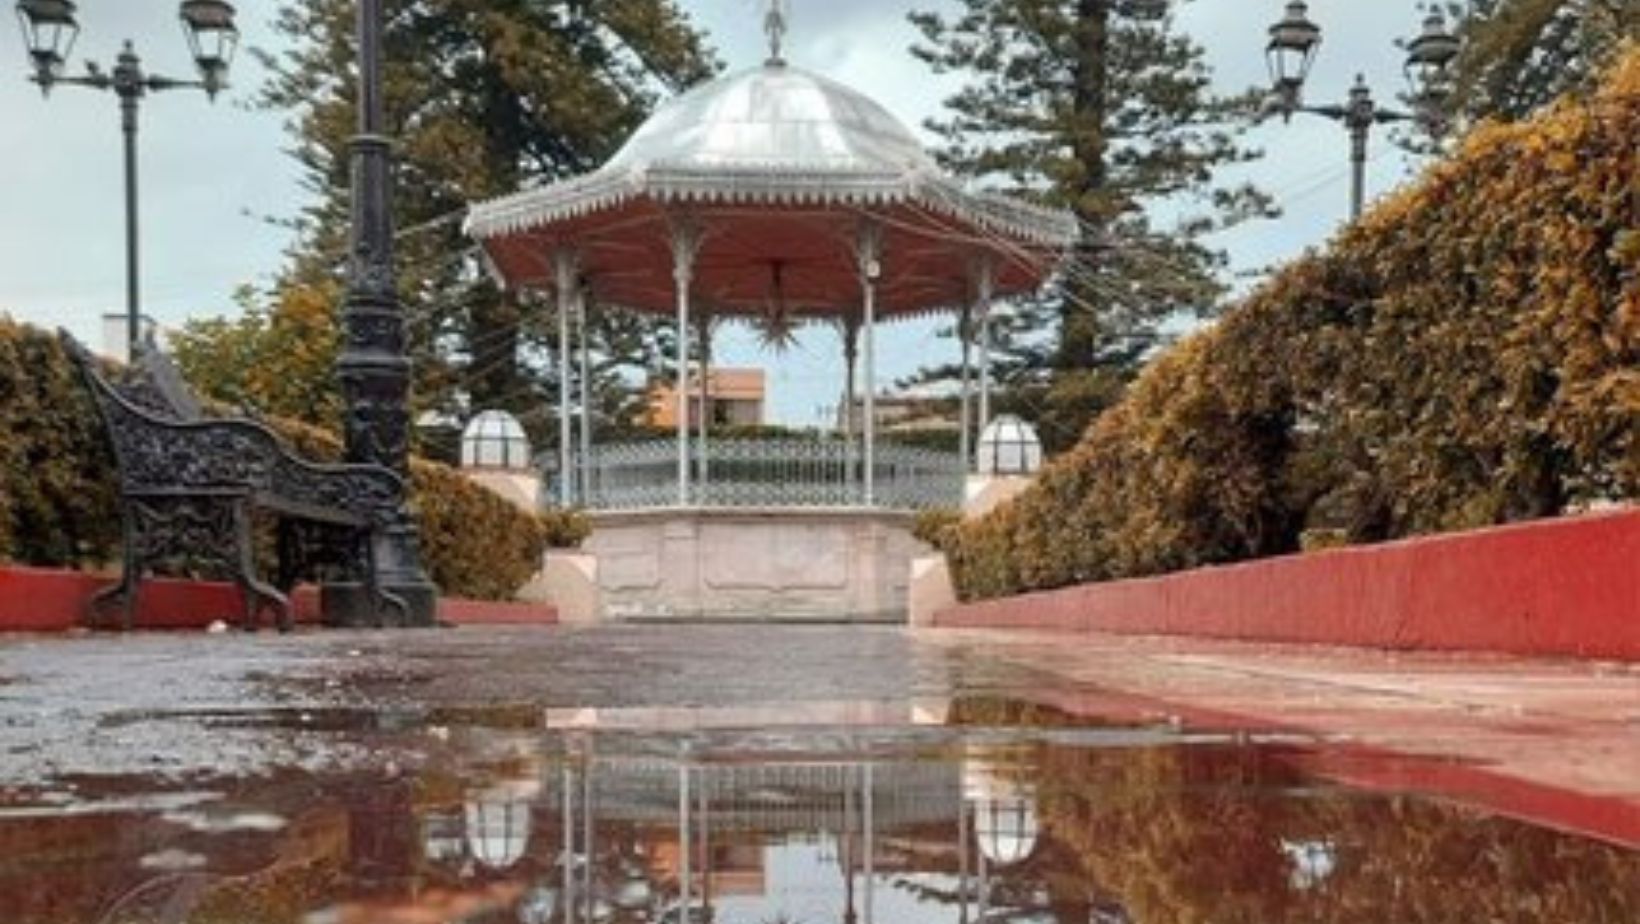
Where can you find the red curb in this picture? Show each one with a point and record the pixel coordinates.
(1558, 588)
(44, 600)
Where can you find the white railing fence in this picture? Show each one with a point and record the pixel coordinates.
(766, 473)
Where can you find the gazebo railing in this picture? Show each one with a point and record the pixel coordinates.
(767, 473)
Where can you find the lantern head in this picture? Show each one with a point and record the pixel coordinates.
(212, 37)
(1428, 66)
(1292, 49)
(49, 31)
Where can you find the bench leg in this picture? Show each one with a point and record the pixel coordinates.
(255, 593)
(126, 589)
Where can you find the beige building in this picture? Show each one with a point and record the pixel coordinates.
(734, 398)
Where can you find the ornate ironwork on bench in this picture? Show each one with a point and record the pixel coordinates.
(190, 486)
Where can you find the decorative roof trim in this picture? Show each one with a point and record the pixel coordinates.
(608, 189)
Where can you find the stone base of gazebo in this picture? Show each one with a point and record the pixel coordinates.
(762, 564)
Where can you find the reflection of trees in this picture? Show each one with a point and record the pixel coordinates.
(1180, 835)
(1213, 835)
(1202, 835)
(1420, 862)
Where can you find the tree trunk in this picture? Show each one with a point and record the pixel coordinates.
(1080, 324)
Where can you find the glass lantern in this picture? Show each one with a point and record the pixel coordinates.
(495, 440)
(1009, 446)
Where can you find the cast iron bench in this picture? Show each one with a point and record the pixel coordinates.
(191, 484)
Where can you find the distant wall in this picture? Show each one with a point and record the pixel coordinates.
(1567, 587)
(777, 564)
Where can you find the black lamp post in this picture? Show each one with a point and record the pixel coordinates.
(1294, 42)
(374, 367)
(49, 30)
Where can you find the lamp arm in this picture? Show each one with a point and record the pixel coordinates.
(96, 81)
(1336, 113)
(1386, 116)
(157, 83)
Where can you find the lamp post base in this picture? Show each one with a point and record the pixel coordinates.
(349, 605)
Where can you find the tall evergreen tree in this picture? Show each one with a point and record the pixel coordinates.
(1103, 107)
(1520, 54)
(483, 97)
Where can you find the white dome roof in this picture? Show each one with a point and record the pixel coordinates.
(774, 117)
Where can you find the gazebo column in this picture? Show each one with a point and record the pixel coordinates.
(584, 485)
(965, 335)
(987, 289)
(704, 331)
(870, 253)
(851, 360)
(568, 288)
(685, 249)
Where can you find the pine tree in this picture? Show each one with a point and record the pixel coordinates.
(1519, 55)
(483, 97)
(1103, 107)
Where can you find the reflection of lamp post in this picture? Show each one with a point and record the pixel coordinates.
(50, 28)
(1294, 42)
(374, 367)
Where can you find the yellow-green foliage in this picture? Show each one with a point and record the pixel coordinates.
(58, 504)
(56, 501)
(1468, 354)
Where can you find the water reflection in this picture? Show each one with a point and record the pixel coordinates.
(1003, 814)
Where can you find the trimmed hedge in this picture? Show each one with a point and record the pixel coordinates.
(1466, 355)
(58, 505)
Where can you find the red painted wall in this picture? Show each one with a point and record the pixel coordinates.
(1568, 587)
(40, 600)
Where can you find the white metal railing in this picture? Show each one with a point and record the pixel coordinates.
(766, 473)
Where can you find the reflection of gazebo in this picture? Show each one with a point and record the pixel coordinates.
(780, 197)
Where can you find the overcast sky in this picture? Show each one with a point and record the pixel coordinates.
(211, 174)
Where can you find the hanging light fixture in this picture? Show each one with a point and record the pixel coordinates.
(777, 328)
(1428, 66)
(212, 37)
(49, 31)
(1294, 42)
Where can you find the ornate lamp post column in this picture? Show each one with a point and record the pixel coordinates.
(374, 368)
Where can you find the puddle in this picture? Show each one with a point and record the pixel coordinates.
(975, 809)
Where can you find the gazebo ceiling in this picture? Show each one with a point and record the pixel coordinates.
(778, 168)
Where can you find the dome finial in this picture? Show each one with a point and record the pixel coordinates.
(774, 23)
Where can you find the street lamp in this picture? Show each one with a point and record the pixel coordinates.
(1294, 42)
(374, 365)
(49, 31)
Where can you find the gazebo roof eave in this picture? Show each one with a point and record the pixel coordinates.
(608, 189)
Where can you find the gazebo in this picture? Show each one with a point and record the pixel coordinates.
(782, 197)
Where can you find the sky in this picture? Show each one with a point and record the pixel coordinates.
(213, 175)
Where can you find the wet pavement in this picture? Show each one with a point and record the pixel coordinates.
(748, 775)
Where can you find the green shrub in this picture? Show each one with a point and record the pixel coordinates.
(565, 529)
(58, 504)
(57, 497)
(1466, 355)
(935, 526)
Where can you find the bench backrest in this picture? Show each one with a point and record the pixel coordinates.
(159, 377)
(151, 382)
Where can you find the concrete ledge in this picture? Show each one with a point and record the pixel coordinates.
(1562, 588)
(763, 564)
(46, 600)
